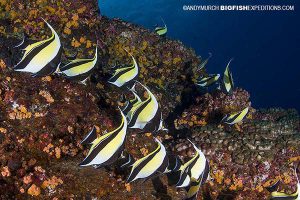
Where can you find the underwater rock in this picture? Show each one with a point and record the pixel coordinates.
(43, 120)
(260, 151)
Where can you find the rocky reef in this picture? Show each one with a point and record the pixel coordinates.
(43, 120)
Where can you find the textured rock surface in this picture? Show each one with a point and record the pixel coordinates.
(42, 120)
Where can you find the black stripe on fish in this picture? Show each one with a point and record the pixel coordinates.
(193, 184)
(127, 108)
(205, 173)
(183, 176)
(159, 29)
(228, 80)
(208, 80)
(274, 187)
(75, 64)
(192, 164)
(232, 119)
(92, 135)
(101, 145)
(174, 163)
(113, 158)
(164, 165)
(138, 112)
(188, 170)
(285, 198)
(32, 54)
(51, 67)
(118, 75)
(141, 165)
(153, 125)
(160, 170)
(80, 77)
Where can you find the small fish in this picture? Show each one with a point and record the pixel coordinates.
(207, 81)
(154, 163)
(204, 63)
(107, 149)
(235, 117)
(280, 195)
(79, 69)
(192, 169)
(125, 75)
(228, 80)
(193, 188)
(41, 58)
(91, 137)
(144, 112)
(162, 31)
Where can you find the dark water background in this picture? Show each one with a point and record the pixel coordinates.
(265, 45)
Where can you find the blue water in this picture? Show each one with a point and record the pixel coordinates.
(265, 45)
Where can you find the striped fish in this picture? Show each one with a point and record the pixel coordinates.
(280, 195)
(162, 31)
(204, 63)
(193, 169)
(144, 112)
(235, 117)
(125, 75)
(228, 80)
(79, 69)
(41, 58)
(107, 149)
(193, 188)
(150, 165)
(207, 81)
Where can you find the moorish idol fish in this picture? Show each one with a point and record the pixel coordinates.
(125, 75)
(207, 81)
(203, 64)
(150, 165)
(79, 69)
(235, 117)
(192, 169)
(193, 188)
(41, 58)
(107, 149)
(280, 195)
(144, 112)
(91, 137)
(227, 79)
(162, 31)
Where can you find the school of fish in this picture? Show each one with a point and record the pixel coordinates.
(42, 58)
